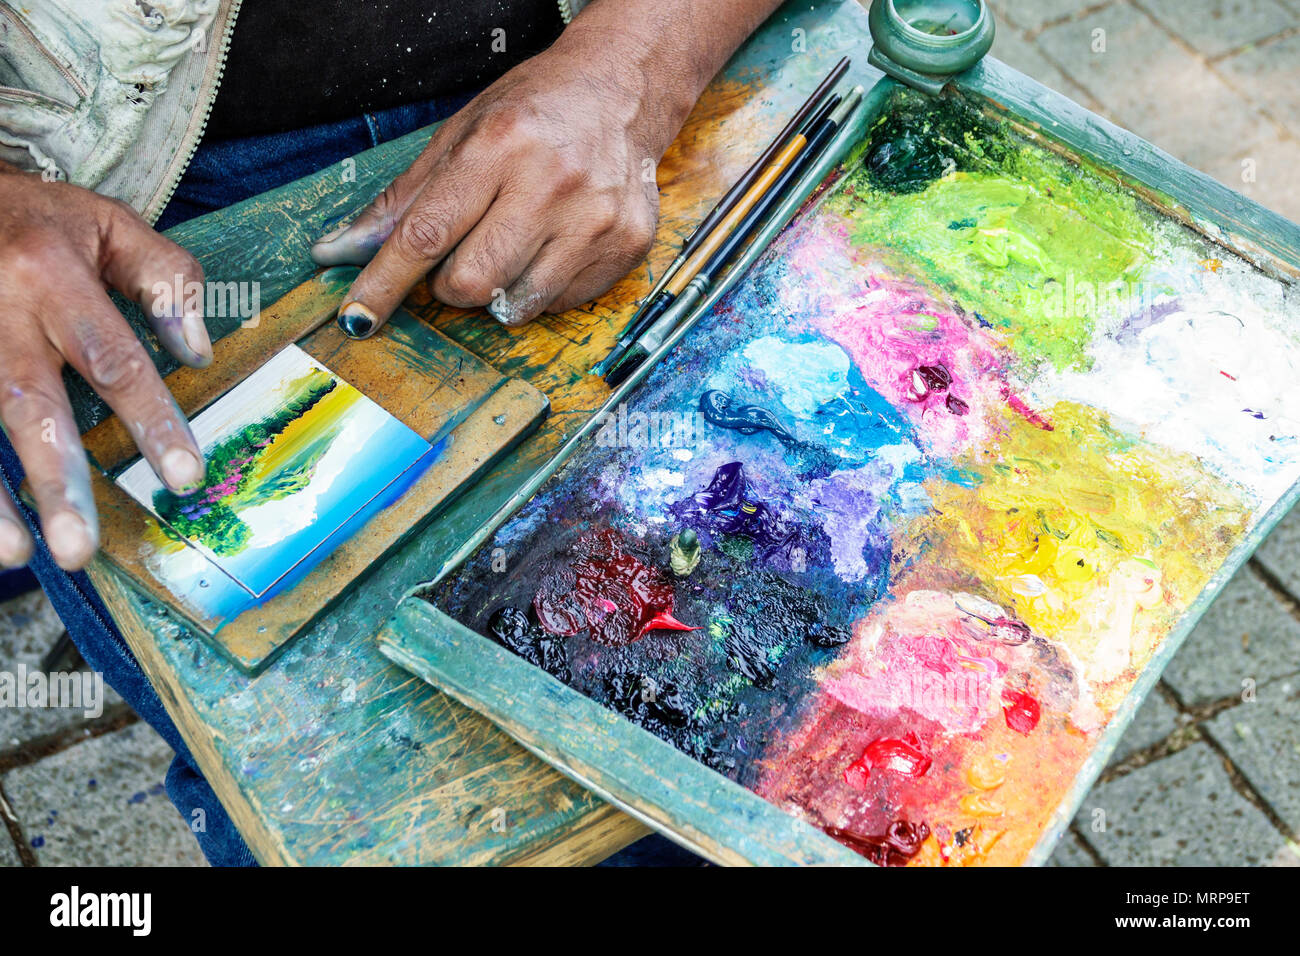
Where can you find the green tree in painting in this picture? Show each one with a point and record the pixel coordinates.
(209, 515)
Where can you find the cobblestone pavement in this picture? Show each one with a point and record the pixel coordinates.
(1209, 771)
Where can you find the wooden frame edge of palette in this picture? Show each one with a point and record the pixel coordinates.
(615, 759)
(487, 413)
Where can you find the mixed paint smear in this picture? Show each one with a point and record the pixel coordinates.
(890, 536)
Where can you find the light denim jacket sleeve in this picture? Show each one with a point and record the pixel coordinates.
(113, 95)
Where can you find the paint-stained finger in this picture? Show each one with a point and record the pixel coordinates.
(547, 275)
(97, 342)
(562, 277)
(622, 254)
(38, 420)
(355, 241)
(15, 542)
(447, 208)
(489, 259)
(158, 274)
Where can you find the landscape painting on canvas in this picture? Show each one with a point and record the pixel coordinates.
(891, 534)
(293, 453)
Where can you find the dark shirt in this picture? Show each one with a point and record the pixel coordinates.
(296, 63)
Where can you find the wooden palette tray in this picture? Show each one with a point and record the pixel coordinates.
(426, 381)
(647, 777)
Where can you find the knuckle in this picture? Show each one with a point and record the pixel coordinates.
(25, 403)
(120, 208)
(570, 172)
(187, 264)
(604, 212)
(48, 489)
(423, 233)
(26, 264)
(112, 358)
(508, 126)
(639, 236)
(387, 201)
(464, 281)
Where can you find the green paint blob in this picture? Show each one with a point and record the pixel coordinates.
(1032, 243)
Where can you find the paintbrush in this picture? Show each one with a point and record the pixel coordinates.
(676, 281)
(695, 283)
(813, 110)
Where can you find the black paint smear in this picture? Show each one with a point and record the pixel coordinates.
(922, 138)
(516, 632)
(761, 620)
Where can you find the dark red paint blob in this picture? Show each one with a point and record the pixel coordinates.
(905, 755)
(604, 589)
(899, 843)
(1021, 710)
(936, 377)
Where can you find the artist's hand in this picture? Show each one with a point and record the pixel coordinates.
(60, 248)
(540, 194)
(531, 198)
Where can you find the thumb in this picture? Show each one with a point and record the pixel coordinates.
(354, 242)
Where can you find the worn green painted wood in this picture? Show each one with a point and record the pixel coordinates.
(633, 768)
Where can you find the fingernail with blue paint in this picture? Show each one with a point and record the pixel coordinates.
(356, 320)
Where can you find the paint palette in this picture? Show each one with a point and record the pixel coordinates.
(892, 535)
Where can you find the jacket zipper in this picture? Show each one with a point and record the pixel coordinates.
(195, 136)
(63, 71)
(566, 12)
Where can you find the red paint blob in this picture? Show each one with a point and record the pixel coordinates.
(905, 755)
(1021, 710)
(608, 591)
(856, 774)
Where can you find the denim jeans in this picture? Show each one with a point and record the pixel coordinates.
(223, 173)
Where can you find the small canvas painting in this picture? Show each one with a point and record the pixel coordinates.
(293, 453)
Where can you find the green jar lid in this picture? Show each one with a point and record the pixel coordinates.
(924, 43)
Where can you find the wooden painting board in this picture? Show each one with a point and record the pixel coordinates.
(422, 378)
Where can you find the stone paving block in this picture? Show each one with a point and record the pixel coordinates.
(1280, 552)
(1151, 85)
(1275, 184)
(1216, 27)
(1155, 720)
(102, 803)
(28, 629)
(1011, 47)
(1263, 741)
(8, 852)
(1179, 811)
(1266, 75)
(1071, 852)
(1032, 14)
(1246, 634)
